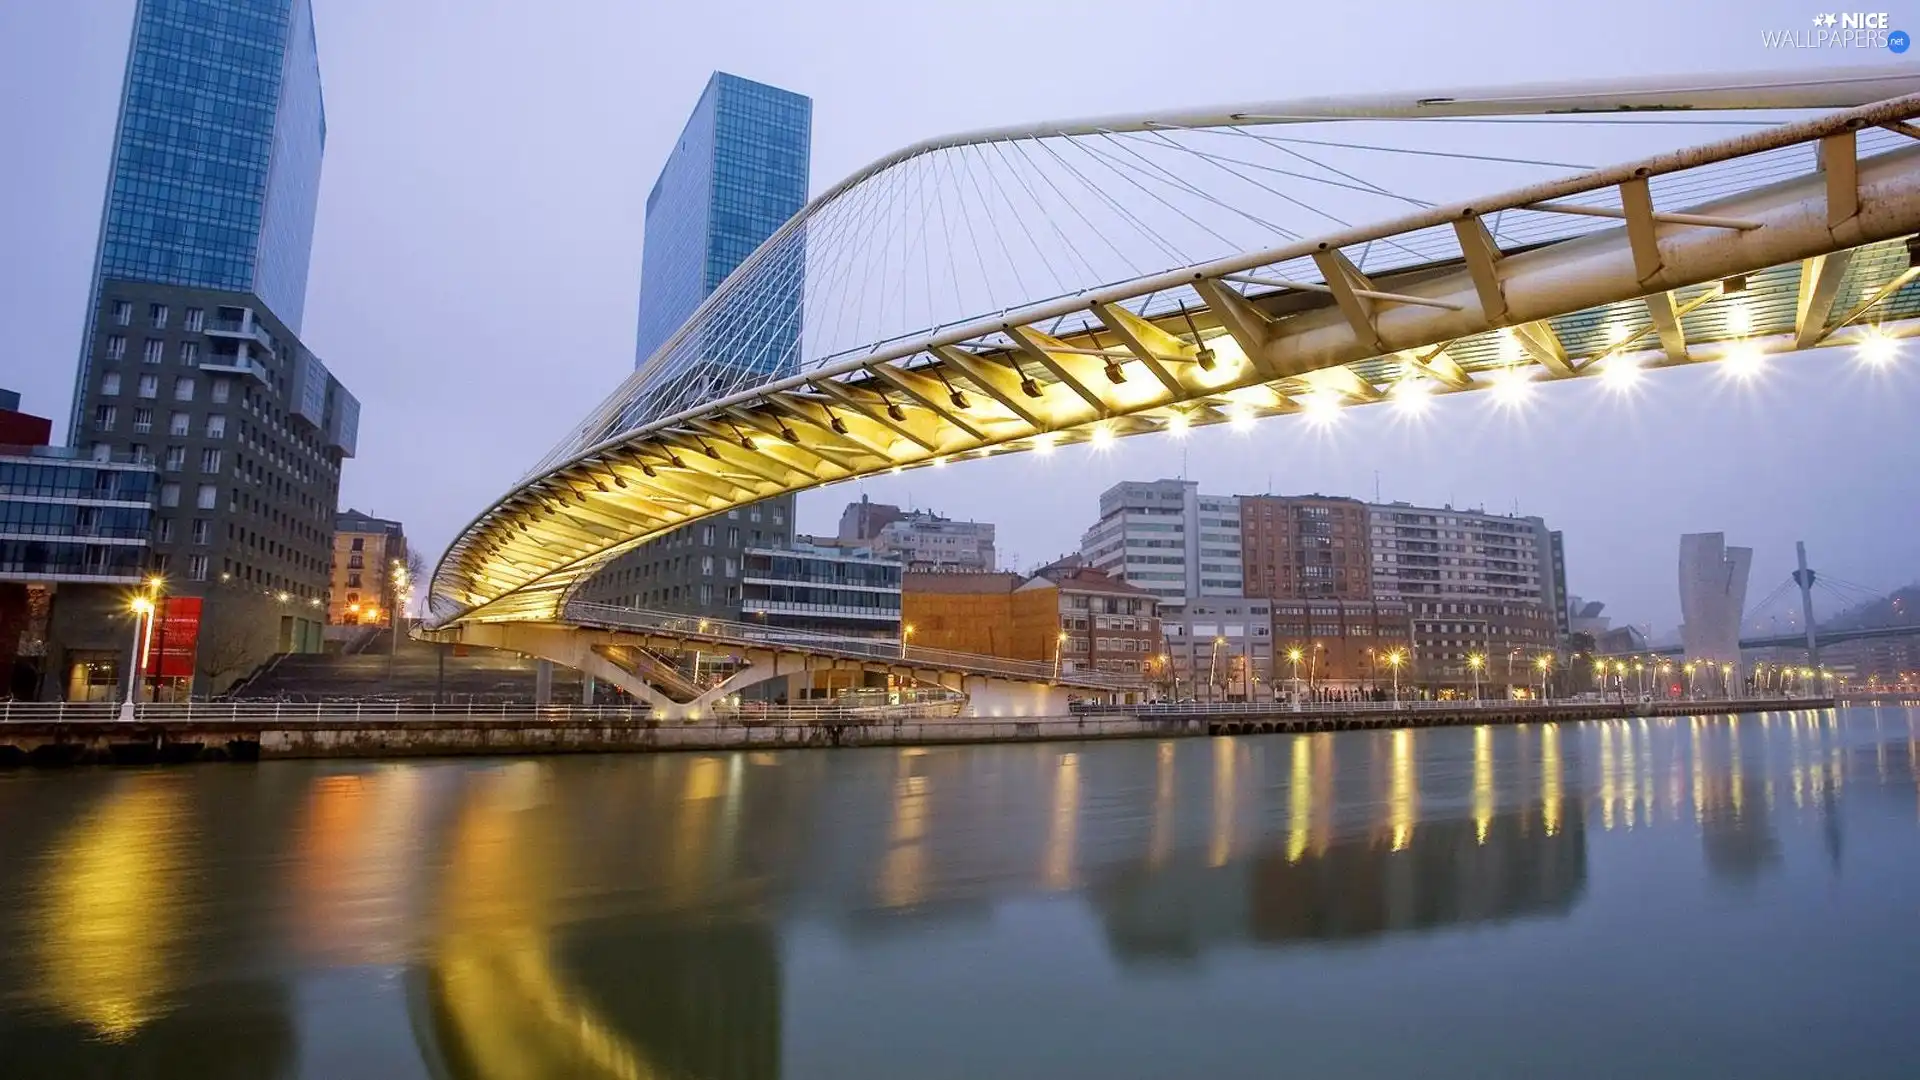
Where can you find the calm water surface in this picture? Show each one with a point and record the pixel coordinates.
(1707, 897)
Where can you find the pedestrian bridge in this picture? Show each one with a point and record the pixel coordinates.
(1028, 288)
(637, 650)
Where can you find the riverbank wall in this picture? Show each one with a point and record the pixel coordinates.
(355, 733)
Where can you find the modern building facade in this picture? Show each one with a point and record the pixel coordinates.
(737, 173)
(1713, 596)
(73, 549)
(367, 553)
(1299, 546)
(823, 590)
(192, 358)
(1165, 537)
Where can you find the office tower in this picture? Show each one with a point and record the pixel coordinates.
(192, 358)
(737, 173)
(1167, 538)
(921, 539)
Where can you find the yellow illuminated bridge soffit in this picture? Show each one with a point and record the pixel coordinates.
(1174, 291)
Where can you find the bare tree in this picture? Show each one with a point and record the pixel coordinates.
(231, 647)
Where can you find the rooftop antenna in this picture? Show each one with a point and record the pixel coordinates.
(1376, 485)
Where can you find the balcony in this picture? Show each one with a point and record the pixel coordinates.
(241, 363)
(243, 329)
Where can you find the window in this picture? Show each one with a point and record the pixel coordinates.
(359, 544)
(110, 384)
(140, 453)
(183, 388)
(163, 531)
(195, 320)
(216, 426)
(153, 351)
(706, 593)
(116, 347)
(753, 512)
(179, 424)
(190, 354)
(210, 461)
(202, 531)
(169, 494)
(706, 535)
(176, 458)
(732, 567)
(197, 567)
(104, 416)
(220, 391)
(157, 313)
(142, 420)
(149, 386)
(353, 581)
(706, 566)
(122, 313)
(208, 497)
(733, 536)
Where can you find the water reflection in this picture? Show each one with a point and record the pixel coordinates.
(668, 916)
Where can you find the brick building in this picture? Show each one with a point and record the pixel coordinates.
(1079, 615)
(1295, 546)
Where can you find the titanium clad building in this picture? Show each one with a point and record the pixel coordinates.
(192, 359)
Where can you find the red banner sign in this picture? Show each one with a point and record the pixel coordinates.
(175, 638)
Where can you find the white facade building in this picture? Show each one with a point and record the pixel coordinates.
(1713, 595)
(1165, 537)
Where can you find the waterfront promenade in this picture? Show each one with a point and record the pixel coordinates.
(46, 735)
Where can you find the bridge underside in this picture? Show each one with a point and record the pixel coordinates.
(632, 661)
(1805, 244)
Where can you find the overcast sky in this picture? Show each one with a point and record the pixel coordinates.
(477, 261)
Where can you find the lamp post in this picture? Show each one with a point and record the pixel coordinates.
(1726, 680)
(1313, 660)
(1213, 667)
(1511, 653)
(1293, 656)
(1394, 660)
(1059, 642)
(906, 631)
(1475, 662)
(1545, 664)
(142, 609)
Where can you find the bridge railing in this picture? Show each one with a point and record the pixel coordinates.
(725, 631)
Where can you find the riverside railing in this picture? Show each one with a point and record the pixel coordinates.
(335, 712)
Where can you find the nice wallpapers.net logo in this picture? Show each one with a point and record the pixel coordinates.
(1841, 30)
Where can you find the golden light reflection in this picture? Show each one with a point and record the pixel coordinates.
(1321, 830)
(1550, 778)
(506, 1005)
(1699, 775)
(1482, 781)
(903, 873)
(111, 910)
(1066, 821)
(1300, 799)
(1629, 775)
(1606, 776)
(1733, 765)
(1221, 848)
(1160, 844)
(1403, 792)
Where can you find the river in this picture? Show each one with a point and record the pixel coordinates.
(1712, 896)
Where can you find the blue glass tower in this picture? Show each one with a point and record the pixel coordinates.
(216, 161)
(737, 174)
(192, 361)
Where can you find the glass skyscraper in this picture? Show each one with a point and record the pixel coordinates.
(192, 359)
(737, 174)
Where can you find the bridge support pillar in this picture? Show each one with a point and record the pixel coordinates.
(543, 682)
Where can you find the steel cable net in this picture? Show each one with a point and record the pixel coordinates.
(963, 233)
(932, 262)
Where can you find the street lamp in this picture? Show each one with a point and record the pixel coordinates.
(1689, 668)
(906, 631)
(1545, 664)
(1294, 655)
(1511, 653)
(1476, 662)
(1313, 660)
(1726, 679)
(142, 608)
(1394, 660)
(1059, 642)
